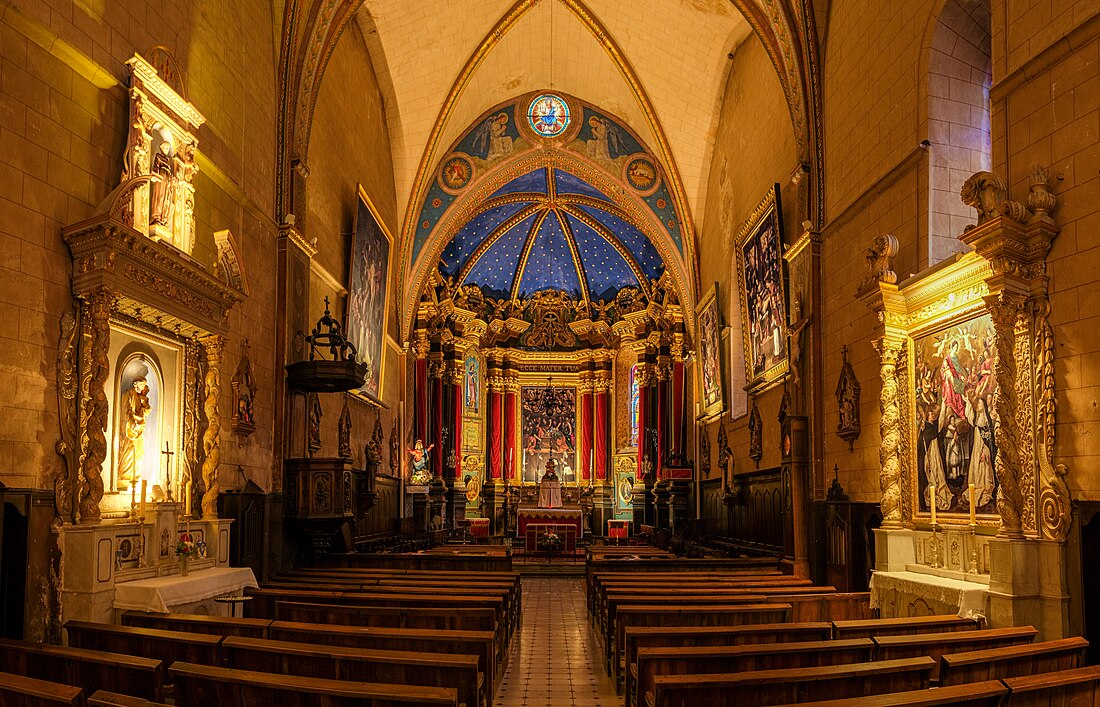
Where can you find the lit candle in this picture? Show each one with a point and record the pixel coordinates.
(142, 511)
(973, 520)
(932, 500)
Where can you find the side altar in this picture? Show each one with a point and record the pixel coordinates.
(975, 507)
(139, 369)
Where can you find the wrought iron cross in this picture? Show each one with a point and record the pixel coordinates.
(168, 454)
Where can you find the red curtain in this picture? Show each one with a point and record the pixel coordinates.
(643, 426)
(457, 397)
(661, 424)
(510, 434)
(586, 436)
(600, 429)
(678, 411)
(420, 386)
(495, 463)
(438, 415)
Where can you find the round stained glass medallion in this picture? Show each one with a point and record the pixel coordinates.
(548, 115)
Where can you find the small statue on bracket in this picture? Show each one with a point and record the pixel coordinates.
(421, 474)
(313, 424)
(847, 398)
(344, 431)
(244, 395)
(395, 449)
(756, 434)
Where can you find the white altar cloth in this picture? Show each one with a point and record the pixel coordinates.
(160, 593)
(550, 494)
(969, 597)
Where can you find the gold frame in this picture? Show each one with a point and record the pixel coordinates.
(769, 208)
(374, 399)
(710, 299)
(537, 380)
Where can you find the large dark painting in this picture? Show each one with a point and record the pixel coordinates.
(955, 417)
(368, 285)
(760, 284)
(548, 429)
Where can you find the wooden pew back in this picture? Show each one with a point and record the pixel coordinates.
(21, 691)
(206, 685)
(935, 645)
(770, 687)
(338, 663)
(1013, 661)
(1060, 689)
(869, 628)
(166, 646)
(92, 670)
(197, 623)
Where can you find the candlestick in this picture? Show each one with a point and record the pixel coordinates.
(932, 501)
(142, 511)
(133, 497)
(972, 511)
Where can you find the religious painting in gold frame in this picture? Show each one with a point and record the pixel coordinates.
(368, 306)
(708, 325)
(548, 429)
(761, 286)
(953, 389)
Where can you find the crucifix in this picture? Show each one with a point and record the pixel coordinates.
(168, 454)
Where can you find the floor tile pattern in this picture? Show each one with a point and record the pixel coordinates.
(555, 657)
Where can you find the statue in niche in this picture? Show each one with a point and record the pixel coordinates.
(134, 410)
(725, 454)
(164, 188)
(794, 332)
(395, 449)
(244, 393)
(704, 451)
(847, 398)
(313, 424)
(374, 447)
(344, 431)
(421, 475)
(756, 434)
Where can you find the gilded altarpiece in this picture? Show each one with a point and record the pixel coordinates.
(139, 365)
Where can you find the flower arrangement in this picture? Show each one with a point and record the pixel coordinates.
(549, 541)
(187, 549)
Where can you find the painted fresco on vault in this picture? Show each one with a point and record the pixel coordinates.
(367, 289)
(604, 140)
(493, 138)
(955, 417)
(548, 429)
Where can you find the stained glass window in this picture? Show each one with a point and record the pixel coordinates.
(548, 115)
(633, 406)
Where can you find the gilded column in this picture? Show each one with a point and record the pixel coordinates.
(601, 428)
(890, 350)
(435, 410)
(495, 383)
(213, 345)
(420, 384)
(644, 378)
(95, 311)
(1007, 312)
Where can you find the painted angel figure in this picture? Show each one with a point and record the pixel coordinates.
(420, 459)
(492, 138)
(605, 140)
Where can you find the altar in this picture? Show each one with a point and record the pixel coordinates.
(908, 593)
(193, 594)
(559, 516)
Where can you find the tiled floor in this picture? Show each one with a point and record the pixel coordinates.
(555, 659)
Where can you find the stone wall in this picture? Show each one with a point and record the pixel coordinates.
(63, 112)
(753, 149)
(349, 145)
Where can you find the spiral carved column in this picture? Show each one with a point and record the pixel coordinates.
(1005, 311)
(890, 351)
(211, 438)
(94, 313)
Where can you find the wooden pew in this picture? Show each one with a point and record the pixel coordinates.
(979, 694)
(1013, 661)
(21, 691)
(103, 698)
(206, 685)
(418, 561)
(869, 628)
(92, 670)
(479, 643)
(197, 623)
(769, 687)
(935, 645)
(1060, 689)
(394, 617)
(687, 615)
(638, 637)
(696, 660)
(845, 606)
(380, 666)
(605, 608)
(166, 646)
